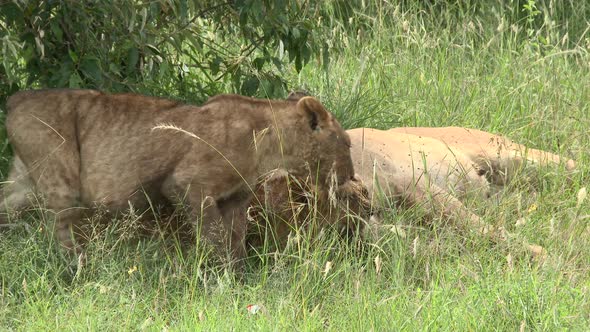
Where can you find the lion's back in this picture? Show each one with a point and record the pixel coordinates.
(59, 101)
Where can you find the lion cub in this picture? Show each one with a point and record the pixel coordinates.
(83, 148)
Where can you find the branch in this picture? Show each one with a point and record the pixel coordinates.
(249, 50)
(199, 14)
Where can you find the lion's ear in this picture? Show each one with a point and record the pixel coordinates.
(317, 114)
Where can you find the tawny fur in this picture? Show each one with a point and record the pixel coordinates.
(83, 148)
(438, 168)
(499, 157)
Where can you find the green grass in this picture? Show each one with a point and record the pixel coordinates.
(404, 71)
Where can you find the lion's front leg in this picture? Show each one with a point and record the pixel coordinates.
(222, 224)
(234, 210)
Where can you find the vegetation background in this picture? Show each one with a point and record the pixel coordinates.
(520, 68)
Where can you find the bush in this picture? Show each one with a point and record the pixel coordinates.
(195, 48)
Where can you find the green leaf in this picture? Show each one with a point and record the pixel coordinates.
(132, 21)
(243, 19)
(12, 13)
(11, 47)
(175, 43)
(259, 63)
(61, 77)
(257, 10)
(56, 30)
(272, 87)
(197, 43)
(132, 59)
(7, 70)
(250, 86)
(214, 65)
(73, 56)
(298, 63)
(90, 67)
(75, 81)
(306, 52)
(164, 70)
(277, 62)
(153, 49)
(114, 69)
(143, 18)
(183, 11)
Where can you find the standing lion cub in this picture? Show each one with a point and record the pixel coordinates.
(83, 148)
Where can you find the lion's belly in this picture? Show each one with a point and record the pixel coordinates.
(119, 190)
(398, 162)
(113, 173)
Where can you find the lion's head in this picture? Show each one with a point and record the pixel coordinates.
(329, 144)
(284, 204)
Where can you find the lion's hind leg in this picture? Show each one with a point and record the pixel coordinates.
(520, 154)
(504, 160)
(52, 161)
(16, 193)
(61, 193)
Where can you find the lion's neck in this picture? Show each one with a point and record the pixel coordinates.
(272, 150)
(274, 147)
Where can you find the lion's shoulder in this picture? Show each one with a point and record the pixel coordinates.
(238, 99)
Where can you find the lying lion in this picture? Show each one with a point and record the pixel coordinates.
(442, 166)
(436, 168)
(80, 149)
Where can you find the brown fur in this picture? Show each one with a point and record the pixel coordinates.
(82, 148)
(288, 204)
